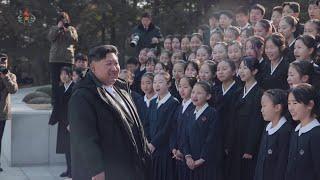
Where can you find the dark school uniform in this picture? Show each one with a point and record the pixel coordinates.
(203, 142)
(289, 55)
(143, 105)
(261, 69)
(160, 120)
(276, 77)
(273, 152)
(183, 114)
(244, 132)
(60, 115)
(137, 80)
(304, 153)
(174, 90)
(222, 102)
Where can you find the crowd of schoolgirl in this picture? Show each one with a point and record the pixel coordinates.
(238, 100)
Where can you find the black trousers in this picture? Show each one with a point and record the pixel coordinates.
(55, 78)
(68, 160)
(2, 125)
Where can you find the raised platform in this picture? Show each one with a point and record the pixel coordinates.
(28, 139)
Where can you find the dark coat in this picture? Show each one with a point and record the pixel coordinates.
(278, 79)
(304, 156)
(273, 154)
(62, 44)
(60, 115)
(136, 85)
(104, 135)
(244, 133)
(145, 36)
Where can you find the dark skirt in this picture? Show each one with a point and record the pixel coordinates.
(203, 172)
(63, 139)
(240, 169)
(162, 167)
(182, 170)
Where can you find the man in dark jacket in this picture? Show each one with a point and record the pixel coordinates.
(107, 138)
(149, 34)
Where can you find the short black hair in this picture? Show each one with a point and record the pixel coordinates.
(146, 15)
(63, 16)
(132, 60)
(259, 7)
(293, 5)
(227, 13)
(316, 2)
(278, 96)
(81, 57)
(100, 52)
(242, 10)
(66, 69)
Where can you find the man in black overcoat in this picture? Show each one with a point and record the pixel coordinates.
(107, 137)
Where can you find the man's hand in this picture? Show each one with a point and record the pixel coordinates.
(151, 147)
(100, 176)
(2, 75)
(247, 156)
(60, 24)
(155, 40)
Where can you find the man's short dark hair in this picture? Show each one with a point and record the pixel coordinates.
(293, 5)
(242, 10)
(259, 7)
(100, 52)
(315, 2)
(215, 15)
(227, 13)
(146, 15)
(132, 60)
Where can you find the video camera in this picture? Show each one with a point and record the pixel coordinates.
(134, 41)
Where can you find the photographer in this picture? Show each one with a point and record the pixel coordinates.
(8, 85)
(63, 38)
(146, 34)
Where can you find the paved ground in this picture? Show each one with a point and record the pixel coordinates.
(30, 173)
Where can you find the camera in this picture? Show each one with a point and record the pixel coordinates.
(135, 40)
(3, 70)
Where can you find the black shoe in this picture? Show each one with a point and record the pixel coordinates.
(1, 169)
(64, 174)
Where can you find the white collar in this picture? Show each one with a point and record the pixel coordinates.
(261, 60)
(273, 69)
(66, 86)
(245, 93)
(245, 26)
(163, 100)
(308, 127)
(225, 91)
(185, 105)
(201, 110)
(109, 89)
(147, 101)
(271, 130)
